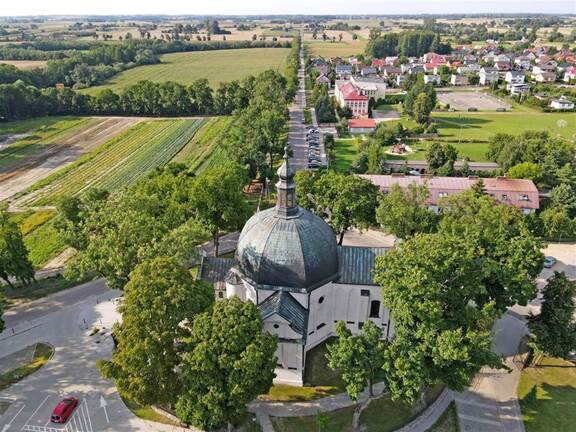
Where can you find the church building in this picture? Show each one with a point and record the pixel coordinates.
(289, 264)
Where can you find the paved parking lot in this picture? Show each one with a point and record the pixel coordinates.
(462, 100)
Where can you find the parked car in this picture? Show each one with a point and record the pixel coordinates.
(549, 262)
(314, 165)
(64, 410)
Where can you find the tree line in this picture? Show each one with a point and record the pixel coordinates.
(407, 43)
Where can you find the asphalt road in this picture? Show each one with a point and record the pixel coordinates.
(65, 320)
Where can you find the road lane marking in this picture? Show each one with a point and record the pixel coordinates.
(17, 414)
(104, 404)
(479, 420)
(88, 416)
(37, 409)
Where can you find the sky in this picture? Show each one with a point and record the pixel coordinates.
(262, 7)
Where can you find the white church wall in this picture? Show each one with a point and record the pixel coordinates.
(352, 304)
(277, 325)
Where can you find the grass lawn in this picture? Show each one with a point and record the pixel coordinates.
(216, 66)
(382, 415)
(147, 413)
(547, 395)
(42, 354)
(345, 150)
(40, 288)
(336, 49)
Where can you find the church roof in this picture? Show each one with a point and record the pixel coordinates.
(357, 264)
(214, 270)
(283, 304)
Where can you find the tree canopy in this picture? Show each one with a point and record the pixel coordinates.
(404, 212)
(229, 360)
(554, 329)
(14, 261)
(346, 200)
(160, 302)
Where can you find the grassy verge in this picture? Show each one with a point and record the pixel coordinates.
(42, 354)
(147, 413)
(547, 395)
(345, 150)
(288, 393)
(40, 288)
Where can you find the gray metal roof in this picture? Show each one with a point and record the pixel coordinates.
(293, 252)
(283, 304)
(357, 264)
(214, 270)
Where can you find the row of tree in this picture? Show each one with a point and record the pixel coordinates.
(408, 43)
(147, 98)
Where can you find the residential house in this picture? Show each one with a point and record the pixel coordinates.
(458, 80)
(518, 89)
(368, 70)
(391, 60)
(432, 79)
(432, 57)
(361, 126)
(570, 74)
(488, 75)
(416, 69)
(349, 96)
(468, 69)
(390, 71)
(519, 193)
(514, 77)
(400, 80)
(562, 103)
(378, 63)
(523, 62)
(343, 71)
(323, 79)
(502, 66)
(544, 77)
(543, 67)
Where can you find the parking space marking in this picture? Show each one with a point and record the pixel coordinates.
(17, 414)
(36, 410)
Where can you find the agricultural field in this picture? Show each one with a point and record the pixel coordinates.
(336, 49)
(216, 66)
(203, 149)
(40, 235)
(25, 64)
(120, 162)
(31, 150)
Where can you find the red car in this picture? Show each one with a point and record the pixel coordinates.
(64, 410)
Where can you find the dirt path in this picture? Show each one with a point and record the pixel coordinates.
(57, 156)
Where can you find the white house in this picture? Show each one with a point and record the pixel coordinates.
(562, 103)
(488, 75)
(518, 89)
(514, 77)
(544, 77)
(570, 74)
(432, 79)
(373, 87)
(458, 80)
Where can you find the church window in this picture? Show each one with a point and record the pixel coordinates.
(350, 322)
(365, 293)
(276, 326)
(374, 309)
(321, 300)
(319, 326)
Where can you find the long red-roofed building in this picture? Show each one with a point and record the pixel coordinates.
(519, 193)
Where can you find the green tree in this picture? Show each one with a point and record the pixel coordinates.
(421, 109)
(564, 196)
(346, 200)
(160, 299)
(229, 361)
(554, 329)
(501, 234)
(14, 261)
(557, 223)
(358, 359)
(525, 170)
(217, 200)
(404, 212)
(441, 155)
(431, 282)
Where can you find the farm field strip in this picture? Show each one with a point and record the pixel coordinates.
(121, 162)
(204, 144)
(216, 66)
